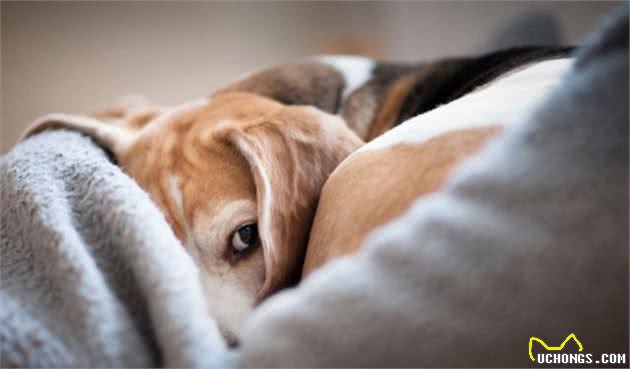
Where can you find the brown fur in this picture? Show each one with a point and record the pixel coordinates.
(377, 186)
(374, 107)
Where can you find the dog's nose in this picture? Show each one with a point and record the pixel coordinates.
(232, 342)
(230, 338)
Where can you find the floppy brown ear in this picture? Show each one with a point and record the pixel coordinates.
(290, 158)
(114, 128)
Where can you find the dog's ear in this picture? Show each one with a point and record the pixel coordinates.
(306, 83)
(114, 127)
(290, 156)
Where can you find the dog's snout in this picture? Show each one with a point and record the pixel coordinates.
(231, 340)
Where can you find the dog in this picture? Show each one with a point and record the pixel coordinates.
(237, 177)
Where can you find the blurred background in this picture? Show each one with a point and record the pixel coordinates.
(78, 56)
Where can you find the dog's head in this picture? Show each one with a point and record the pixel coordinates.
(237, 176)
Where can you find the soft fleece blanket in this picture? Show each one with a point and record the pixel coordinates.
(530, 238)
(91, 273)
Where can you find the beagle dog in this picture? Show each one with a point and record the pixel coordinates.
(379, 181)
(237, 177)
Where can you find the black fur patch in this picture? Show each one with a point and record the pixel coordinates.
(450, 79)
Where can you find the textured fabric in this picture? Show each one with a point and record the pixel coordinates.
(91, 273)
(529, 238)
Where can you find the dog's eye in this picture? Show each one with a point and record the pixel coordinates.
(245, 237)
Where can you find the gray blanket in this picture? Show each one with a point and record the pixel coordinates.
(91, 273)
(528, 239)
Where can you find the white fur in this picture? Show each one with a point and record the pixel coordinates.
(228, 300)
(176, 193)
(227, 303)
(356, 70)
(500, 102)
